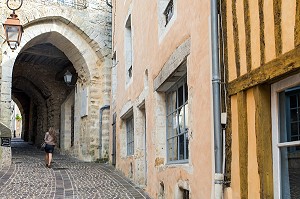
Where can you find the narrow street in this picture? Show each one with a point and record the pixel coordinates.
(27, 177)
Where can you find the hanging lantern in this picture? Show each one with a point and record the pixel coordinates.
(13, 31)
(12, 27)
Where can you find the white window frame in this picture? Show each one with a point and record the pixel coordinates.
(276, 88)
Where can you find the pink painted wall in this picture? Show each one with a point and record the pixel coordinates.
(192, 21)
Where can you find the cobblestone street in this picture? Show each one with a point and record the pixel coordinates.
(27, 177)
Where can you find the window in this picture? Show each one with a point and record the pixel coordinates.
(130, 135)
(128, 49)
(177, 117)
(167, 14)
(286, 138)
(169, 11)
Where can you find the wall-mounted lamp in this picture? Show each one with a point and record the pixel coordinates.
(68, 78)
(12, 27)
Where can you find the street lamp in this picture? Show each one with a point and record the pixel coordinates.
(12, 27)
(68, 77)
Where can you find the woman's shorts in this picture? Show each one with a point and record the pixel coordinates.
(49, 148)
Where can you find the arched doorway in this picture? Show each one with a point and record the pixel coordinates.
(50, 47)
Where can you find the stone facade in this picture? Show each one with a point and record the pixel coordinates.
(80, 38)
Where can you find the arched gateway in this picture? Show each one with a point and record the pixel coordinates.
(33, 76)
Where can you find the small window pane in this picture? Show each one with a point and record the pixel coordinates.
(170, 147)
(181, 120)
(171, 102)
(293, 101)
(170, 126)
(294, 128)
(180, 96)
(290, 173)
(181, 147)
(175, 150)
(187, 145)
(186, 92)
(294, 115)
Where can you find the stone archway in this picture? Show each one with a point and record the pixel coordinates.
(93, 76)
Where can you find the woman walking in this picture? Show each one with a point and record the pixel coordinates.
(50, 140)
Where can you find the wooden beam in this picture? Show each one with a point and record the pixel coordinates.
(243, 142)
(263, 129)
(283, 65)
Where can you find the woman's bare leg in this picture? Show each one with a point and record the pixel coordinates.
(49, 158)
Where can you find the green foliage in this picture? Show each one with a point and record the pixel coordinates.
(18, 117)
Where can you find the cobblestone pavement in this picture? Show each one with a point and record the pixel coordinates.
(68, 178)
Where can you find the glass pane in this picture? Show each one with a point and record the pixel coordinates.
(290, 173)
(180, 96)
(293, 101)
(294, 115)
(175, 123)
(294, 128)
(181, 147)
(181, 120)
(175, 149)
(294, 138)
(186, 117)
(186, 92)
(170, 126)
(171, 103)
(170, 149)
(187, 145)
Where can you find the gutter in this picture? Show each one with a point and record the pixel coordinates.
(100, 129)
(218, 146)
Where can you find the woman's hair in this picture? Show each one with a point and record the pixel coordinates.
(52, 132)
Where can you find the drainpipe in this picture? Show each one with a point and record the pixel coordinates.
(219, 176)
(108, 4)
(100, 129)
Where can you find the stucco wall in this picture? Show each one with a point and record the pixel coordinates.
(152, 50)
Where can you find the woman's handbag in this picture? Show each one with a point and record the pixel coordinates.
(43, 145)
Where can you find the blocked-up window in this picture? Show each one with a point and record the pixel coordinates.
(130, 135)
(177, 122)
(128, 49)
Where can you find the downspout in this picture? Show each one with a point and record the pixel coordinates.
(219, 176)
(100, 129)
(108, 4)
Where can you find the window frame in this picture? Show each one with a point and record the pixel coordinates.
(181, 82)
(276, 89)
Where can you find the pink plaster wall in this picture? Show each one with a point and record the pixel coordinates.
(193, 21)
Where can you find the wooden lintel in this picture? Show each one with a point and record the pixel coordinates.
(285, 64)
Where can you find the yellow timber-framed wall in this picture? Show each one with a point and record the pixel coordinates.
(262, 47)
